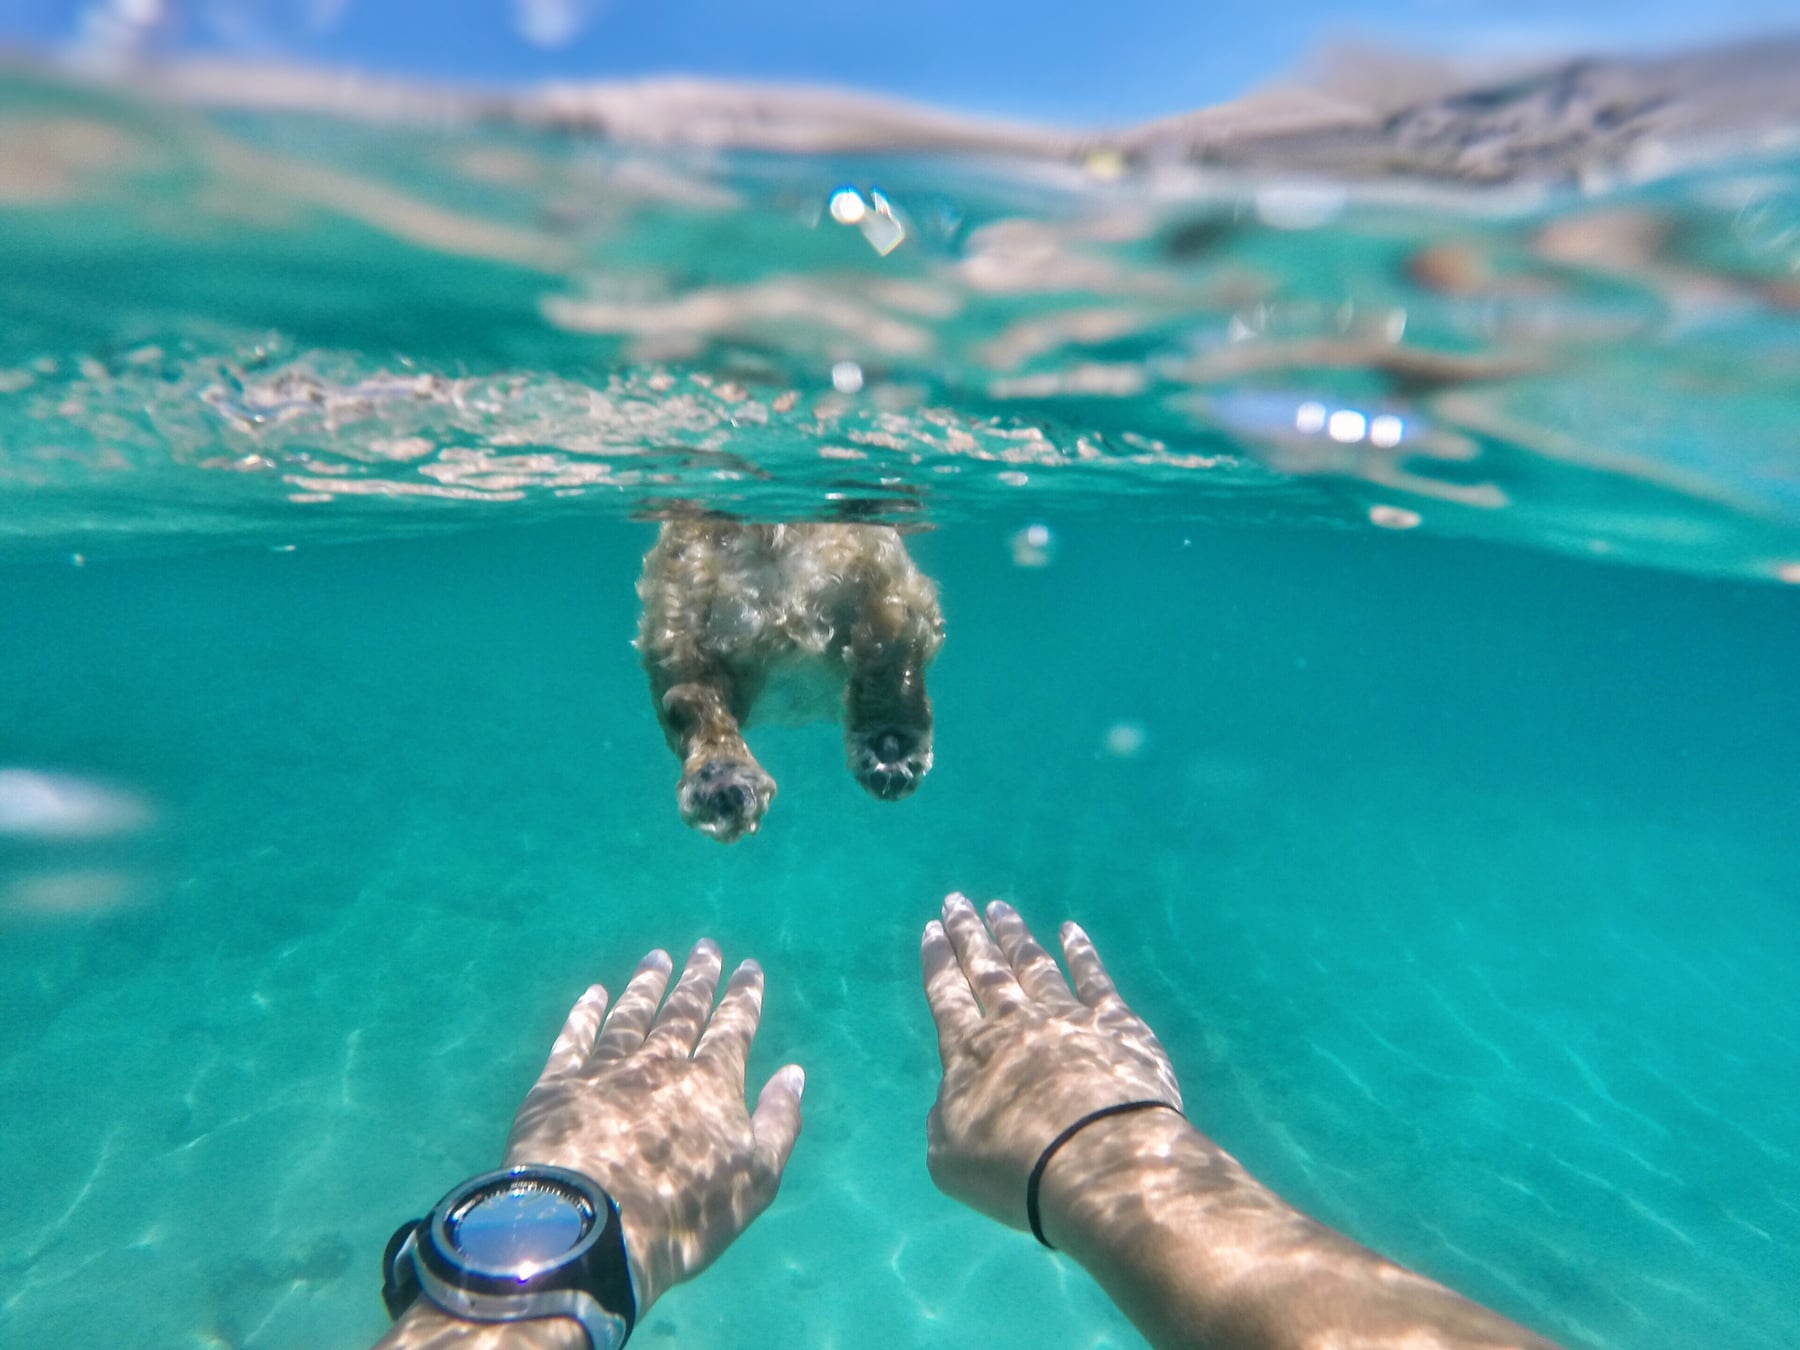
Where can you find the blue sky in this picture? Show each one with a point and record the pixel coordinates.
(1070, 62)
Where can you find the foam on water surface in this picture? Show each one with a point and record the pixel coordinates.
(250, 301)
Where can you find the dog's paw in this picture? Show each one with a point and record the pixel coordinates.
(725, 798)
(890, 761)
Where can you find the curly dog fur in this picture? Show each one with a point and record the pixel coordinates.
(793, 622)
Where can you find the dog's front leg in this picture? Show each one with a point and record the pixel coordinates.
(723, 790)
(887, 727)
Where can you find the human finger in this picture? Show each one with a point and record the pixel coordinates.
(684, 1014)
(1034, 967)
(1092, 984)
(995, 985)
(775, 1123)
(726, 1040)
(631, 1016)
(953, 1006)
(576, 1039)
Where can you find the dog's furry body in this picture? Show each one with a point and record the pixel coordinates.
(793, 623)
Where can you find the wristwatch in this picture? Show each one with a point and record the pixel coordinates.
(519, 1243)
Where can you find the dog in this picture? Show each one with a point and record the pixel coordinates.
(793, 623)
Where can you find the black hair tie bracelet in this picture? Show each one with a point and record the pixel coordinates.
(1037, 1173)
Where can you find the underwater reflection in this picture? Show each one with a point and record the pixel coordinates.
(789, 623)
(1549, 304)
(72, 846)
(38, 805)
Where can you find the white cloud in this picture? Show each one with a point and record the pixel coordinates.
(552, 23)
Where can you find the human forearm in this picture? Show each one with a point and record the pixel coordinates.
(1197, 1253)
(1051, 1115)
(631, 1164)
(426, 1327)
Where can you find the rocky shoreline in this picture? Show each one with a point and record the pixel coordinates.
(1365, 115)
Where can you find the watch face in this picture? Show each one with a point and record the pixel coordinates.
(518, 1227)
(521, 1242)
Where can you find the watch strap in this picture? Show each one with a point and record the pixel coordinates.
(399, 1278)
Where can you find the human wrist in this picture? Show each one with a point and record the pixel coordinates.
(526, 1245)
(425, 1326)
(1191, 1247)
(641, 1244)
(1092, 1187)
(1146, 1181)
(641, 1235)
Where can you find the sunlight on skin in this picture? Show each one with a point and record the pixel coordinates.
(1039, 1059)
(1187, 1243)
(649, 1102)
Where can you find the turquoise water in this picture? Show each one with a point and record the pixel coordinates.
(1453, 863)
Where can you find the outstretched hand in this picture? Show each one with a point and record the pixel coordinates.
(650, 1104)
(1025, 1055)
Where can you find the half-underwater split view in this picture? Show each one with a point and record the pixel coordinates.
(823, 676)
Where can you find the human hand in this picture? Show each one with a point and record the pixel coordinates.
(1024, 1056)
(1191, 1247)
(651, 1105)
